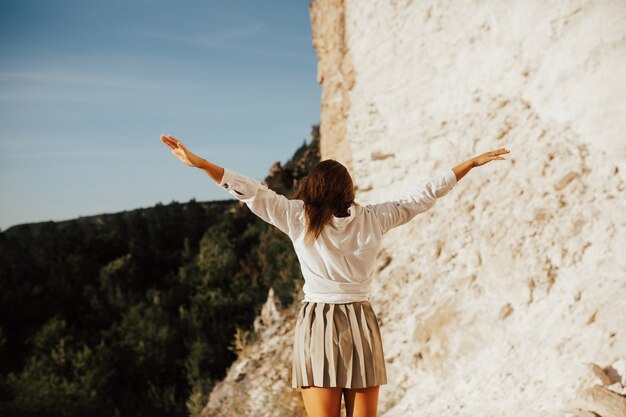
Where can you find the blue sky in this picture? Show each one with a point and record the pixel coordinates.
(88, 87)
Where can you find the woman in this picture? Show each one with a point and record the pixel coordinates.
(337, 348)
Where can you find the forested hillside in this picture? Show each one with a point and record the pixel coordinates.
(134, 313)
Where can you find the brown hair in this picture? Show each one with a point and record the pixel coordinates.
(327, 191)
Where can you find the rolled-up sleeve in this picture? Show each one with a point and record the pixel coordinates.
(274, 208)
(399, 211)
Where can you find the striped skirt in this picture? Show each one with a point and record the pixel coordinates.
(337, 345)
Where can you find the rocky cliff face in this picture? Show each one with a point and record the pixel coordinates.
(507, 297)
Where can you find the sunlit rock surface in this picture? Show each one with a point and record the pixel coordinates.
(507, 298)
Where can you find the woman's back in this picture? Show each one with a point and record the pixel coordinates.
(339, 265)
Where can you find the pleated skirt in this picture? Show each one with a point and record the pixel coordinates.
(337, 345)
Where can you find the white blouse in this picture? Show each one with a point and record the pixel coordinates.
(338, 267)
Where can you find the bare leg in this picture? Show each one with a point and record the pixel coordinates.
(361, 402)
(322, 401)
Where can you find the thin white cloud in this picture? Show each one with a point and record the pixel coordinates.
(152, 151)
(214, 40)
(122, 153)
(275, 52)
(96, 79)
(72, 86)
(51, 97)
(238, 32)
(220, 40)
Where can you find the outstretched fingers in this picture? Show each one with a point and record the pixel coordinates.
(493, 155)
(174, 140)
(171, 141)
(168, 142)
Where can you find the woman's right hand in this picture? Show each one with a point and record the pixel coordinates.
(181, 152)
(489, 156)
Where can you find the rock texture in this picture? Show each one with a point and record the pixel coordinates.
(258, 383)
(507, 297)
(336, 75)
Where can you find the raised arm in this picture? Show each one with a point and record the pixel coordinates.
(274, 208)
(399, 211)
(270, 206)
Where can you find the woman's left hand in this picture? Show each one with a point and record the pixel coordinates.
(181, 152)
(489, 156)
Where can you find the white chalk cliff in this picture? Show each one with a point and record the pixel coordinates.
(508, 297)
